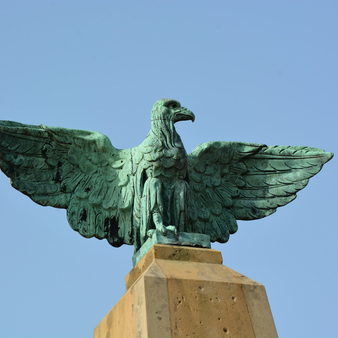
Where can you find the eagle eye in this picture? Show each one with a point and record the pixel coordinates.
(171, 104)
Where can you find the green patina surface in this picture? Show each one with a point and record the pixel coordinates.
(124, 195)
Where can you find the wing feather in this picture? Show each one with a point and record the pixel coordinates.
(71, 169)
(233, 180)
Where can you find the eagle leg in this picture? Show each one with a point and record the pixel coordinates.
(153, 210)
(179, 204)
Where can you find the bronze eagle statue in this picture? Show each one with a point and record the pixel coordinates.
(125, 195)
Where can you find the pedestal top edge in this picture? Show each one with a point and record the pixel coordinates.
(173, 253)
(186, 253)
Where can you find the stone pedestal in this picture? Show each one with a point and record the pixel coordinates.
(177, 291)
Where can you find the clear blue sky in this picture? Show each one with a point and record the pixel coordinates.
(255, 71)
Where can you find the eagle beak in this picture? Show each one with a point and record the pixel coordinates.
(183, 114)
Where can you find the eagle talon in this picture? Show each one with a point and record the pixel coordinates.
(162, 229)
(172, 228)
(150, 232)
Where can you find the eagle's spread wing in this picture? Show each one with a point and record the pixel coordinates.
(72, 169)
(240, 181)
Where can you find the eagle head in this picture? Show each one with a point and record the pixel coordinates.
(171, 110)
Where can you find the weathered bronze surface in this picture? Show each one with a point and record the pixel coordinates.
(126, 195)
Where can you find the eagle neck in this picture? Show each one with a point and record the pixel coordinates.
(165, 132)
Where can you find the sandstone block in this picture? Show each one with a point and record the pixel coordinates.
(177, 291)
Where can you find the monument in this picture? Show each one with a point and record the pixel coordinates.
(170, 205)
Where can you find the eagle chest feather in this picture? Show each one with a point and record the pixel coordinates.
(167, 164)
